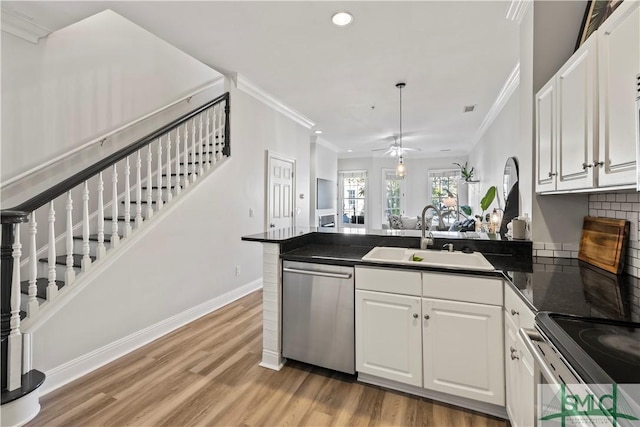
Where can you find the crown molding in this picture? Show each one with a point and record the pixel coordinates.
(326, 144)
(510, 86)
(517, 9)
(250, 88)
(22, 26)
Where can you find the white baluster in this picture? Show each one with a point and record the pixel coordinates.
(52, 288)
(70, 274)
(127, 198)
(14, 355)
(101, 249)
(159, 175)
(214, 130)
(115, 238)
(138, 189)
(149, 184)
(32, 302)
(221, 130)
(176, 185)
(208, 140)
(185, 169)
(86, 248)
(169, 194)
(201, 144)
(194, 174)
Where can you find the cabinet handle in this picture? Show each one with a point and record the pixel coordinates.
(514, 313)
(514, 353)
(552, 174)
(586, 165)
(597, 163)
(415, 315)
(426, 317)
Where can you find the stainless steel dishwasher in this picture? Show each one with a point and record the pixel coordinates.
(318, 315)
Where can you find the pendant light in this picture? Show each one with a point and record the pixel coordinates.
(401, 169)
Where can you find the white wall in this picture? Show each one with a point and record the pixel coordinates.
(82, 82)
(416, 182)
(499, 142)
(324, 164)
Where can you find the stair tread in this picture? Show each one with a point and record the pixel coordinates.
(94, 237)
(120, 218)
(41, 284)
(155, 187)
(30, 381)
(62, 260)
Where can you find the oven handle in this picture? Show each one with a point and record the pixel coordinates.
(529, 336)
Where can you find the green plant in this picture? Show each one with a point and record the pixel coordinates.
(488, 198)
(466, 209)
(466, 173)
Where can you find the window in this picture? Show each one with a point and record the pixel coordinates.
(352, 197)
(392, 194)
(443, 187)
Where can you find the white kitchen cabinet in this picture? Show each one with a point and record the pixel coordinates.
(619, 62)
(577, 128)
(388, 336)
(462, 349)
(585, 115)
(519, 365)
(566, 124)
(546, 137)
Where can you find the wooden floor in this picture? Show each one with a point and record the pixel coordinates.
(207, 374)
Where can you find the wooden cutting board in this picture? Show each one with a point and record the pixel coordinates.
(603, 242)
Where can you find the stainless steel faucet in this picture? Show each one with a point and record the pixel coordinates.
(447, 247)
(425, 241)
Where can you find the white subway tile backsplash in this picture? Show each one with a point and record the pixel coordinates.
(633, 197)
(606, 205)
(611, 197)
(538, 245)
(562, 254)
(600, 197)
(570, 246)
(621, 197)
(602, 213)
(615, 206)
(596, 205)
(574, 254)
(545, 253)
(626, 206)
(553, 246)
(621, 215)
(593, 212)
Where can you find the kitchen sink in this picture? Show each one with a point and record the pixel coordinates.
(431, 258)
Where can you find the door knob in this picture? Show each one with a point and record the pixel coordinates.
(597, 163)
(513, 312)
(272, 225)
(415, 315)
(426, 317)
(551, 174)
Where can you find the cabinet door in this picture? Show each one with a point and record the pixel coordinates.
(388, 336)
(511, 370)
(526, 387)
(577, 120)
(619, 63)
(463, 349)
(546, 138)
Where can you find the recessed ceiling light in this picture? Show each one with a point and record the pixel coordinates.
(342, 18)
(349, 151)
(317, 131)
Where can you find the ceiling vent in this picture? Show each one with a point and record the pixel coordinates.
(469, 108)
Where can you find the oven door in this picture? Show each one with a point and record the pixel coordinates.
(638, 130)
(553, 380)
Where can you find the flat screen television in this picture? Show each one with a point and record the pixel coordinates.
(326, 194)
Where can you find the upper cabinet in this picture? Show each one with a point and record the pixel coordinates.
(585, 115)
(619, 63)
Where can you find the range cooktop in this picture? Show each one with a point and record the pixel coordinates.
(601, 351)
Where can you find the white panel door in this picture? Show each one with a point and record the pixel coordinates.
(577, 120)
(546, 138)
(388, 336)
(280, 182)
(619, 63)
(511, 371)
(463, 349)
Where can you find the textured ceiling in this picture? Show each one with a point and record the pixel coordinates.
(450, 54)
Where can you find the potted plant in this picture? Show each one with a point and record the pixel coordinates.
(466, 173)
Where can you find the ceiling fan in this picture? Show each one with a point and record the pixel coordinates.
(395, 150)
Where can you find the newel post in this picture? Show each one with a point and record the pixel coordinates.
(9, 220)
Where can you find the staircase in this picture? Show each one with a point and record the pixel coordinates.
(102, 205)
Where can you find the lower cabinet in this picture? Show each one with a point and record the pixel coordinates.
(388, 336)
(462, 349)
(431, 337)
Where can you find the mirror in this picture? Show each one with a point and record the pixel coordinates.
(511, 193)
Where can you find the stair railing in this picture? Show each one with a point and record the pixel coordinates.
(154, 170)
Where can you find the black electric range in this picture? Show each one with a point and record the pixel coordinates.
(601, 351)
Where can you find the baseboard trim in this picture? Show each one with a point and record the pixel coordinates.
(463, 402)
(272, 360)
(76, 368)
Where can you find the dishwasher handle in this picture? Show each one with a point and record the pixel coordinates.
(318, 273)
